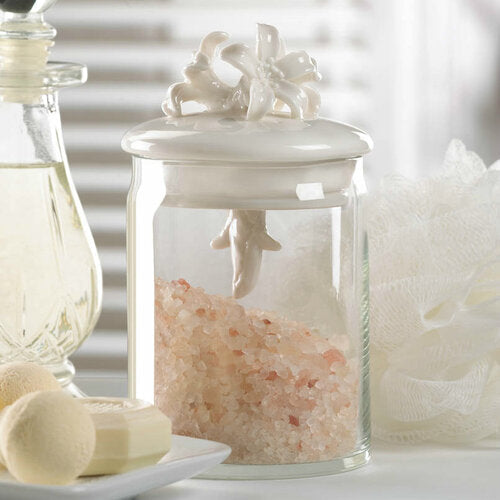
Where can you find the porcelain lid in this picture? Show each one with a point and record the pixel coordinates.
(216, 137)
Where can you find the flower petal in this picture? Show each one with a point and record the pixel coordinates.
(313, 103)
(298, 65)
(261, 100)
(177, 93)
(293, 96)
(210, 42)
(268, 41)
(282, 49)
(241, 57)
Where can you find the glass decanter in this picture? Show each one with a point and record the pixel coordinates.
(50, 276)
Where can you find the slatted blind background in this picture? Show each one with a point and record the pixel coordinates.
(413, 73)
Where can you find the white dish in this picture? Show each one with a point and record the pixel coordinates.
(187, 457)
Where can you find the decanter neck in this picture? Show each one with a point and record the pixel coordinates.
(21, 56)
(25, 42)
(25, 26)
(31, 132)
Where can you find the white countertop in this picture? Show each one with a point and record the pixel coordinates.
(424, 472)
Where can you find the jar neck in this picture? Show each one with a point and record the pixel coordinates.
(31, 132)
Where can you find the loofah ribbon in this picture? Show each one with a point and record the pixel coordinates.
(435, 303)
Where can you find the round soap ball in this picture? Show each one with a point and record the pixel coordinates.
(47, 437)
(20, 378)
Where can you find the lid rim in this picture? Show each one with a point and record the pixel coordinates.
(195, 163)
(275, 139)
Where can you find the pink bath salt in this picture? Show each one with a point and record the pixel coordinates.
(184, 283)
(272, 375)
(312, 383)
(334, 356)
(220, 374)
(302, 381)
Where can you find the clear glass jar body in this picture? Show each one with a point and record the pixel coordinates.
(50, 276)
(281, 374)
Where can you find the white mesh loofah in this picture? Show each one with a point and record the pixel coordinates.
(435, 303)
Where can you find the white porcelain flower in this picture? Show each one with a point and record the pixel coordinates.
(271, 75)
(270, 79)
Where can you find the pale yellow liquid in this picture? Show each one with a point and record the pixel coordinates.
(50, 278)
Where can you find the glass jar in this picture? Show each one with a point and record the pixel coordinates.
(248, 288)
(50, 276)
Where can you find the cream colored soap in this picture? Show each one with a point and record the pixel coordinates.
(46, 437)
(129, 434)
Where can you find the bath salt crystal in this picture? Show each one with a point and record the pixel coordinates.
(290, 401)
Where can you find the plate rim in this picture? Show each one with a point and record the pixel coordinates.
(113, 481)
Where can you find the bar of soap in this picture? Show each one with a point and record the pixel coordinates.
(129, 434)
